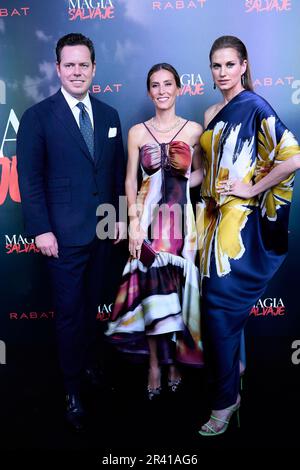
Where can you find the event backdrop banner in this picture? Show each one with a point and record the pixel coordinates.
(130, 36)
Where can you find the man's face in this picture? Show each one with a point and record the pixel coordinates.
(76, 70)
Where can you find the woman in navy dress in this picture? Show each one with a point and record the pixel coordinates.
(250, 158)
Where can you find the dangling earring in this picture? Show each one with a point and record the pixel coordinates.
(243, 80)
(215, 86)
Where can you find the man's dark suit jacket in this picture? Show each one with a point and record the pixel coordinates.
(60, 183)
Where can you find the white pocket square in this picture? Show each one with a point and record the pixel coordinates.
(112, 132)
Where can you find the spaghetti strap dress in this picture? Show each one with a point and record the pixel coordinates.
(163, 299)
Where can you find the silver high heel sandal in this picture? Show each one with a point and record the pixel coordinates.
(154, 392)
(174, 384)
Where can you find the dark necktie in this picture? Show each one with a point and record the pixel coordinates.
(86, 128)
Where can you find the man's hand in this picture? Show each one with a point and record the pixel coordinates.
(47, 243)
(120, 232)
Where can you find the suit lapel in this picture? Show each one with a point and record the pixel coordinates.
(100, 129)
(65, 116)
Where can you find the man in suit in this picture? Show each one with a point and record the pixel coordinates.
(71, 160)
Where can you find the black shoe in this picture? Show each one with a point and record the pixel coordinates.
(75, 414)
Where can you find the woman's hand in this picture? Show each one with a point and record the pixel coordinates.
(136, 237)
(235, 188)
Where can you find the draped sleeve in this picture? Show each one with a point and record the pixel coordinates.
(275, 144)
(244, 141)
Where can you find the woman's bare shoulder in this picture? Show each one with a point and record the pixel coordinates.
(136, 129)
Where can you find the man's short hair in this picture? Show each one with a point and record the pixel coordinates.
(74, 39)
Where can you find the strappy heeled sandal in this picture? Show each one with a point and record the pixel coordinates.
(211, 431)
(154, 392)
(174, 384)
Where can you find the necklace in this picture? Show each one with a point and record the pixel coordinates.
(158, 129)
